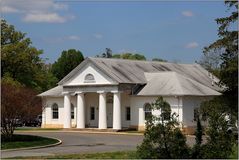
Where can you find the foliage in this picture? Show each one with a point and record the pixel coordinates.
(159, 60)
(196, 150)
(107, 54)
(219, 141)
(17, 102)
(162, 138)
(21, 61)
(224, 52)
(68, 61)
(131, 56)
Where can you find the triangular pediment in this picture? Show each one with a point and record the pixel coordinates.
(88, 74)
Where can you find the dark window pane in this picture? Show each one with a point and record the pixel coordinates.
(147, 111)
(92, 113)
(128, 113)
(54, 111)
(72, 112)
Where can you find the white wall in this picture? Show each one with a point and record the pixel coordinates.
(79, 78)
(91, 100)
(189, 104)
(47, 117)
(137, 104)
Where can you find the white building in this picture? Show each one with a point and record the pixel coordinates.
(114, 93)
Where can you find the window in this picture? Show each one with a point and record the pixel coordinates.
(195, 114)
(147, 111)
(89, 78)
(166, 112)
(92, 113)
(72, 111)
(55, 113)
(127, 113)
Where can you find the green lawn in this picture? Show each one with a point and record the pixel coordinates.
(106, 155)
(235, 153)
(22, 141)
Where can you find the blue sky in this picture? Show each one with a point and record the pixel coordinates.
(175, 31)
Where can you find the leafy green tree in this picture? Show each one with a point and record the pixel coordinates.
(20, 60)
(226, 48)
(67, 62)
(159, 60)
(162, 138)
(131, 56)
(219, 140)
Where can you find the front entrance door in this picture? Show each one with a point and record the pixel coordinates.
(109, 115)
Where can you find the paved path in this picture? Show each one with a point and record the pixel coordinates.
(76, 142)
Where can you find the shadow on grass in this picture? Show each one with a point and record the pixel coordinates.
(22, 141)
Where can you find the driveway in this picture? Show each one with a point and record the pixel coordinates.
(77, 142)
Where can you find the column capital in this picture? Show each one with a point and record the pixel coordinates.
(116, 91)
(101, 92)
(78, 92)
(65, 93)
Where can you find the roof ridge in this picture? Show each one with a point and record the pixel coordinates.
(141, 61)
(178, 81)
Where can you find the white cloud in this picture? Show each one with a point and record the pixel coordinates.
(98, 36)
(192, 45)
(187, 13)
(36, 11)
(7, 9)
(73, 37)
(44, 17)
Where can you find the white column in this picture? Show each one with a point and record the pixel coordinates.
(80, 121)
(67, 111)
(117, 111)
(102, 111)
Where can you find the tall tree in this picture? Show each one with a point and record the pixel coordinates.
(68, 61)
(226, 47)
(20, 60)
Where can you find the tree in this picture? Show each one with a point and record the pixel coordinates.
(159, 60)
(68, 61)
(219, 141)
(226, 47)
(131, 56)
(106, 54)
(20, 60)
(162, 138)
(17, 102)
(196, 150)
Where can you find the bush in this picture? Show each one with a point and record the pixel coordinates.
(162, 137)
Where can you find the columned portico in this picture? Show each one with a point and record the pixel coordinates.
(67, 110)
(102, 110)
(80, 122)
(117, 111)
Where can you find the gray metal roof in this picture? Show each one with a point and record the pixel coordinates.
(172, 83)
(54, 92)
(132, 71)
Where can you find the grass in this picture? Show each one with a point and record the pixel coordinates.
(22, 141)
(235, 152)
(106, 155)
(36, 129)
